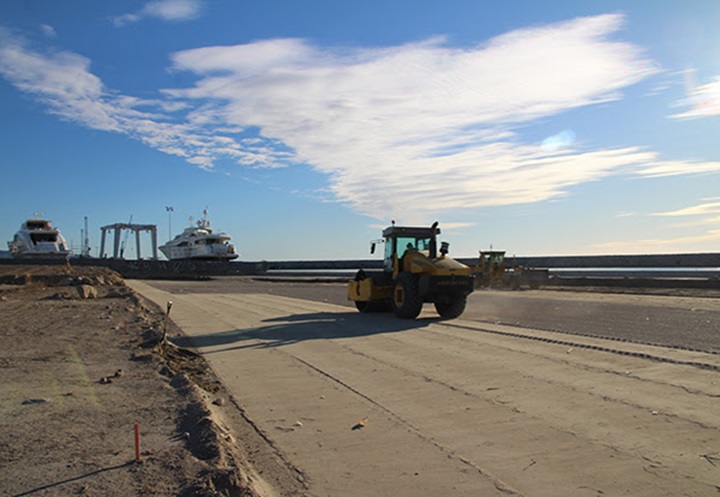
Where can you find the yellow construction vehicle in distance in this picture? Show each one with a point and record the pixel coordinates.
(494, 271)
(414, 271)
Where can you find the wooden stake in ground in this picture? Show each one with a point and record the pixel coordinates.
(165, 325)
(137, 443)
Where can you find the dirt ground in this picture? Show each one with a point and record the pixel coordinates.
(82, 363)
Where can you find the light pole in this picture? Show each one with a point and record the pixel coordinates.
(169, 210)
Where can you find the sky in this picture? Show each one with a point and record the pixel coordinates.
(562, 127)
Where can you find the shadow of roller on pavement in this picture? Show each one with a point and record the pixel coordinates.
(300, 327)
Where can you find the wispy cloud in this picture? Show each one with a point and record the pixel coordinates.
(559, 141)
(658, 245)
(63, 82)
(701, 215)
(708, 208)
(622, 214)
(166, 10)
(48, 31)
(701, 100)
(402, 131)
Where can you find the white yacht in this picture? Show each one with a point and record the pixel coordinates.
(38, 238)
(200, 243)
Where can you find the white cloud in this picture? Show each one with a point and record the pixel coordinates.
(701, 100)
(401, 132)
(60, 80)
(409, 130)
(64, 83)
(695, 210)
(166, 10)
(657, 168)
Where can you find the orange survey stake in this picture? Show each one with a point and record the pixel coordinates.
(137, 442)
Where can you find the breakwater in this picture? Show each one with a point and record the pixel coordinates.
(682, 270)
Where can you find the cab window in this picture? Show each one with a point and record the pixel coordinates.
(406, 243)
(389, 252)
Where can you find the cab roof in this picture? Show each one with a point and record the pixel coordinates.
(409, 232)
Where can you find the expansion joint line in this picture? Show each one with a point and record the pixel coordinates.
(640, 355)
(299, 475)
(608, 338)
(499, 484)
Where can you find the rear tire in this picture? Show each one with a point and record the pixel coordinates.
(451, 309)
(406, 302)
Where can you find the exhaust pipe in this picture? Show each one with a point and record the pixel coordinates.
(433, 240)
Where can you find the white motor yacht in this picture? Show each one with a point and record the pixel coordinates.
(200, 242)
(38, 238)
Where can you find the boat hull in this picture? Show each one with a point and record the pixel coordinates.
(193, 253)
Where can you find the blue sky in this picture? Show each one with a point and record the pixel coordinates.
(304, 127)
